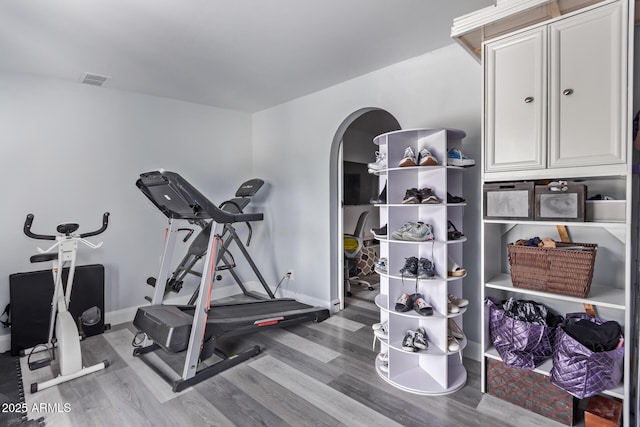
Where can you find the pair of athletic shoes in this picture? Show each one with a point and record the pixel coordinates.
(423, 196)
(379, 164)
(415, 340)
(424, 158)
(381, 264)
(421, 268)
(414, 231)
(455, 157)
(384, 362)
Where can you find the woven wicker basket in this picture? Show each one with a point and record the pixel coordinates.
(554, 270)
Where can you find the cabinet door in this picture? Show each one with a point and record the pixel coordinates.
(515, 102)
(585, 93)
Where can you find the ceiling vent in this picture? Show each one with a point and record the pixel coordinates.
(94, 79)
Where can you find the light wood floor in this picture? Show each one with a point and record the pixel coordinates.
(307, 375)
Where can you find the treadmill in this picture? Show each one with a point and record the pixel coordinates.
(196, 328)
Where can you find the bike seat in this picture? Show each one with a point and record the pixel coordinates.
(67, 228)
(44, 257)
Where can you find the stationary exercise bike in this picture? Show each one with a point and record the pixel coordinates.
(67, 336)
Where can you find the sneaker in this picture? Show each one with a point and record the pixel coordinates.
(382, 197)
(427, 196)
(421, 232)
(558, 186)
(412, 195)
(454, 270)
(381, 264)
(452, 308)
(420, 339)
(460, 302)
(384, 362)
(454, 199)
(381, 330)
(404, 303)
(452, 343)
(380, 233)
(379, 164)
(410, 268)
(454, 330)
(406, 227)
(421, 306)
(407, 341)
(426, 269)
(425, 158)
(456, 158)
(409, 159)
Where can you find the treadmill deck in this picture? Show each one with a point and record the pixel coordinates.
(169, 326)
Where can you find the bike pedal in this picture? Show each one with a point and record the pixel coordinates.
(39, 364)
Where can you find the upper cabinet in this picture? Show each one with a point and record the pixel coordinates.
(553, 97)
(585, 89)
(516, 102)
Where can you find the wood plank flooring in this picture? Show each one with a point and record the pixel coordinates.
(307, 375)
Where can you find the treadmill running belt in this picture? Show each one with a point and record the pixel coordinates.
(170, 326)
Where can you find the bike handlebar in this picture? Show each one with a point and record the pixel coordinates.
(29, 221)
(105, 222)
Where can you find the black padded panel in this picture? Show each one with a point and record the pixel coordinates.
(30, 296)
(249, 188)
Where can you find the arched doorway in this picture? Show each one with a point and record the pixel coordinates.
(356, 133)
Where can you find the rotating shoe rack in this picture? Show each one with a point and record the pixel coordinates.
(437, 370)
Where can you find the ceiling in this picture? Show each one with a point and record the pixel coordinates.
(244, 55)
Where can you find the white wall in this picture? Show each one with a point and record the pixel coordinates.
(292, 145)
(70, 152)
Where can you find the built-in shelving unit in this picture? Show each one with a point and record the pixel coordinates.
(544, 74)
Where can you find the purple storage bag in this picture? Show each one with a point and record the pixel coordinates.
(520, 344)
(580, 371)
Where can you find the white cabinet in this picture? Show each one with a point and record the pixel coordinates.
(436, 370)
(554, 95)
(516, 99)
(586, 96)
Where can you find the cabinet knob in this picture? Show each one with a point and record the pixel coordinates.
(567, 92)
(528, 99)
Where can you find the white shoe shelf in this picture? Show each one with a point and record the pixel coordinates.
(436, 370)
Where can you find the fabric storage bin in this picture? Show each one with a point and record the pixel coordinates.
(557, 270)
(509, 200)
(560, 203)
(520, 344)
(531, 391)
(581, 371)
(606, 210)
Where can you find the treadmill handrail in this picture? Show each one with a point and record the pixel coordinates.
(176, 198)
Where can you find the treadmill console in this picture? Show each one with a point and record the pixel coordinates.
(176, 198)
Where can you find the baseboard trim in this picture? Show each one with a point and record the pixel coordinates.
(256, 287)
(125, 315)
(473, 351)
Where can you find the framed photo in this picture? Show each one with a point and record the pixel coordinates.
(509, 200)
(560, 204)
